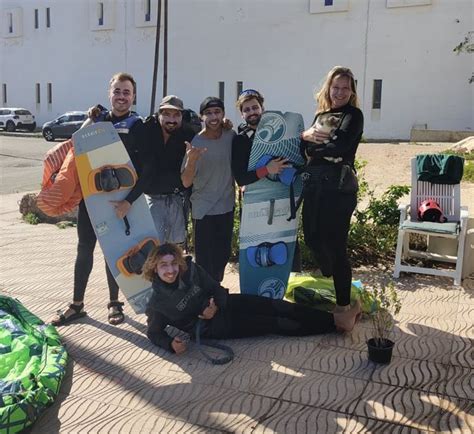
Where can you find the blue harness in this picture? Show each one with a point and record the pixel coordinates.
(123, 126)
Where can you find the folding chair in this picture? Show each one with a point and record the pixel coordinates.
(448, 196)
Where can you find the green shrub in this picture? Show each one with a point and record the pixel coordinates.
(373, 233)
(468, 175)
(31, 218)
(468, 171)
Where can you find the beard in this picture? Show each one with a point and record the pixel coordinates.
(254, 120)
(170, 127)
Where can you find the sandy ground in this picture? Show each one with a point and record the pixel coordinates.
(389, 164)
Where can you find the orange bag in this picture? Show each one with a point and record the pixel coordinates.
(60, 190)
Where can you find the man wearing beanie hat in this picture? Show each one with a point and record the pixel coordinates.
(208, 169)
(166, 139)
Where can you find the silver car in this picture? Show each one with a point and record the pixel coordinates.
(12, 119)
(64, 126)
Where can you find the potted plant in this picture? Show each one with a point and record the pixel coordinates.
(385, 304)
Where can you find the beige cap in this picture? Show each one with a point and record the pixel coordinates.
(171, 102)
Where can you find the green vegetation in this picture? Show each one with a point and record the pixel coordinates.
(385, 303)
(65, 224)
(468, 175)
(374, 229)
(31, 218)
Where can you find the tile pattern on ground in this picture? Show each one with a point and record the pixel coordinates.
(118, 382)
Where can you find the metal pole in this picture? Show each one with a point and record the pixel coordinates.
(156, 58)
(165, 49)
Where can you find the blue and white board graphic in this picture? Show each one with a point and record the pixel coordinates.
(266, 206)
(96, 146)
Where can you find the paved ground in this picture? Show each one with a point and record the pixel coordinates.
(117, 382)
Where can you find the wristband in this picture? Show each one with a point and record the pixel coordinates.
(262, 172)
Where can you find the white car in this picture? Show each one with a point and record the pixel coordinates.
(16, 118)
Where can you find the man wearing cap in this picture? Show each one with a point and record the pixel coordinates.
(165, 193)
(208, 169)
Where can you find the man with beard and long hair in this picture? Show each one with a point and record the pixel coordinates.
(166, 196)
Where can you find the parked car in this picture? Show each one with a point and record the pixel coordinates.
(191, 119)
(64, 126)
(12, 119)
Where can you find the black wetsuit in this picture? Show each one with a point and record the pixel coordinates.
(328, 205)
(238, 315)
(241, 148)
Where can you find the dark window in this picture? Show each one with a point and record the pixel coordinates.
(50, 93)
(38, 93)
(36, 18)
(221, 90)
(48, 17)
(147, 10)
(240, 87)
(377, 94)
(100, 13)
(4, 93)
(328, 2)
(10, 23)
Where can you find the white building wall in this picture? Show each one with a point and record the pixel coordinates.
(276, 46)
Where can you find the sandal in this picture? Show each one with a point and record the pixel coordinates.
(63, 319)
(116, 316)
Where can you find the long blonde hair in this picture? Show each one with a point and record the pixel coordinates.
(322, 97)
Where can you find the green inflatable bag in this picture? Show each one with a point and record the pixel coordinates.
(32, 366)
(319, 292)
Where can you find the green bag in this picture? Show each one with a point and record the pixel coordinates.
(32, 366)
(319, 292)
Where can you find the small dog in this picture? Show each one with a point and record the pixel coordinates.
(328, 123)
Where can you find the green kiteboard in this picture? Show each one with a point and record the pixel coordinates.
(32, 366)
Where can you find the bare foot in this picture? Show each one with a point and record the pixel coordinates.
(345, 320)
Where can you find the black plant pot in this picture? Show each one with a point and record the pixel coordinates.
(380, 353)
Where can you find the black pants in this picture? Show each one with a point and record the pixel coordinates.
(251, 315)
(213, 243)
(326, 221)
(85, 257)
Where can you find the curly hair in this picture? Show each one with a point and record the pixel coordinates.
(322, 97)
(149, 268)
